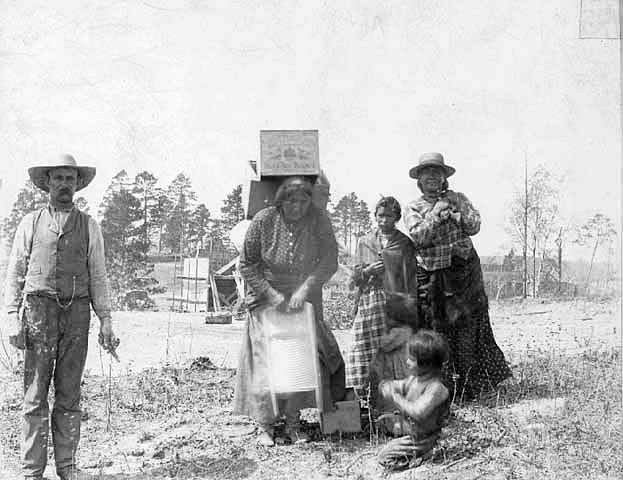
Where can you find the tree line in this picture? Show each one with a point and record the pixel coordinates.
(141, 219)
(543, 234)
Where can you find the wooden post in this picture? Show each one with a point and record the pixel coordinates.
(559, 244)
(196, 275)
(525, 228)
(174, 278)
(182, 285)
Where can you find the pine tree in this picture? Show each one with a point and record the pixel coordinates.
(232, 213)
(159, 213)
(182, 198)
(125, 249)
(145, 191)
(351, 220)
(362, 219)
(29, 198)
(199, 225)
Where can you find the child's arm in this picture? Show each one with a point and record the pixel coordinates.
(391, 388)
(424, 405)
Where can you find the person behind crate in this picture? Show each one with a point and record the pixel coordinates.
(441, 223)
(289, 252)
(386, 266)
(56, 272)
(417, 405)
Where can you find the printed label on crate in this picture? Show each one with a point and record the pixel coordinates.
(289, 152)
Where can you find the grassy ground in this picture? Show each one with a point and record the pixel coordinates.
(562, 418)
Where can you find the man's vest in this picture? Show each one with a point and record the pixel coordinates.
(59, 262)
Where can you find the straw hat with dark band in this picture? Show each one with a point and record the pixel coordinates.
(39, 175)
(431, 159)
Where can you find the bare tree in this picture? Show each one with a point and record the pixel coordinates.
(564, 231)
(531, 221)
(598, 230)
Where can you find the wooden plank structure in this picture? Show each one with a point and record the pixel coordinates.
(214, 292)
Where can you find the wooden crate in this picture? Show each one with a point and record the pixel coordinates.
(345, 418)
(288, 152)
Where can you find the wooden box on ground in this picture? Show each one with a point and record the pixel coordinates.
(288, 152)
(346, 417)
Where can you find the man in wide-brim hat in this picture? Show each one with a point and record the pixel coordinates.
(56, 272)
(40, 174)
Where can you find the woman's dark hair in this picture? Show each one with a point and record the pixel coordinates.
(391, 204)
(444, 186)
(293, 185)
(429, 349)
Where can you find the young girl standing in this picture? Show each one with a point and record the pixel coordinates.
(386, 265)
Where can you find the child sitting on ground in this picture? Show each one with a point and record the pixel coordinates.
(421, 401)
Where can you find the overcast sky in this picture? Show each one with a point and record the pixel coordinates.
(186, 86)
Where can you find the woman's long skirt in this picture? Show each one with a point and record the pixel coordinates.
(457, 307)
(368, 328)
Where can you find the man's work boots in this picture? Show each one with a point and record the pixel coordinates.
(73, 474)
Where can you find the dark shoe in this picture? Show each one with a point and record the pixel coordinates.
(73, 474)
(296, 436)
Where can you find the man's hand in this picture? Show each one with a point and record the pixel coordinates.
(299, 297)
(107, 338)
(377, 269)
(15, 331)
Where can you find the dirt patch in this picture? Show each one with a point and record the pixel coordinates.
(152, 339)
(166, 413)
